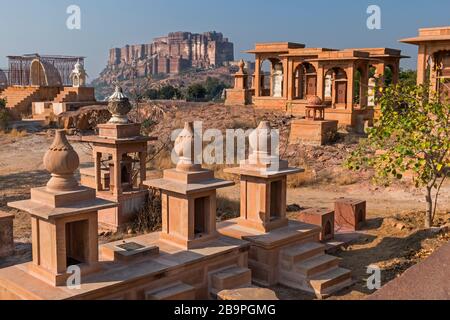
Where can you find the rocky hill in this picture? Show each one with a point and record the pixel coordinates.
(104, 87)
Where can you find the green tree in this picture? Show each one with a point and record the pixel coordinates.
(214, 88)
(413, 135)
(152, 94)
(168, 92)
(196, 92)
(408, 77)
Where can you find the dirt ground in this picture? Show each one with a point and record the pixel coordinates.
(393, 238)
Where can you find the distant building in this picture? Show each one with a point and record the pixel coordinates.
(171, 54)
(41, 70)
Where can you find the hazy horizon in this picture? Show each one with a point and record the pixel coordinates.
(31, 26)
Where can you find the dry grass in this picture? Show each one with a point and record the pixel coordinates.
(14, 133)
(303, 179)
(345, 179)
(227, 209)
(149, 218)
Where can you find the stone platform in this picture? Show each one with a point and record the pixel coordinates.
(143, 268)
(313, 132)
(291, 256)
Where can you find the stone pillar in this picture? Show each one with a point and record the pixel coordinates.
(364, 88)
(98, 170)
(257, 80)
(422, 60)
(320, 81)
(350, 86)
(286, 78)
(291, 80)
(117, 174)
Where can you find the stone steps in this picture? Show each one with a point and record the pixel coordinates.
(317, 265)
(19, 99)
(231, 278)
(177, 291)
(307, 268)
(66, 95)
(301, 252)
(331, 281)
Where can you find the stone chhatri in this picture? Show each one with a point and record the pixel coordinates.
(61, 161)
(119, 106)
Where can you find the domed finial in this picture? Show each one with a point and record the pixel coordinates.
(314, 101)
(61, 161)
(119, 106)
(185, 149)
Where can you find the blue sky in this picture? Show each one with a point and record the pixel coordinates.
(28, 26)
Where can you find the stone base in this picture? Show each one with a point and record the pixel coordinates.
(6, 234)
(119, 131)
(323, 218)
(58, 279)
(313, 132)
(117, 219)
(170, 274)
(350, 214)
(248, 294)
(264, 256)
(238, 97)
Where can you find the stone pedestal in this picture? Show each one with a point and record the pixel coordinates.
(323, 218)
(188, 206)
(313, 132)
(238, 97)
(63, 219)
(6, 234)
(263, 197)
(350, 214)
(240, 94)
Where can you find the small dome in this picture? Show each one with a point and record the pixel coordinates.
(314, 101)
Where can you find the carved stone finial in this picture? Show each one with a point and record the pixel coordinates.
(241, 66)
(119, 106)
(185, 149)
(61, 161)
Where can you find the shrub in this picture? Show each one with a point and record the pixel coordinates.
(196, 92)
